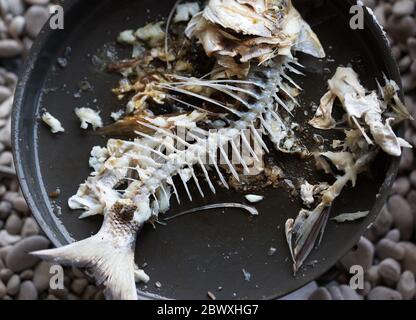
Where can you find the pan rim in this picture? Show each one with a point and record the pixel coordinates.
(19, 154)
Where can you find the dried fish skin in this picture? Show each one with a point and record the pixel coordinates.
(253, 30)
(366, 111)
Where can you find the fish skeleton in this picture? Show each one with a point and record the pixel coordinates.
(252, 70)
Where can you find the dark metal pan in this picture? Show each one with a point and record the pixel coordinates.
(200, 252)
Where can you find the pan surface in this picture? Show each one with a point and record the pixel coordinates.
(196, 253)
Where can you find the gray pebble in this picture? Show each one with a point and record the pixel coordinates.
(78, 285)
(407, 285)
(60, 293)
(6, 158)
(89, 292)
(35, 17)
(403, 7)
(372, 275)
(401, 28)
(5, 209)
(30, 228)
(27, 291)
(401, 186)
(383, 222)
(335, 292)
(10, 48)
(386, 248)
(389, 271)
(41, 276)
(19, 258)
(38, 2)
(8, 239)
(17, 26)
(4, 251)
(405, 63)
(384, 293)
(411, 198)
(349, 294)
(402, 215)
(5, 275)
(411, 45)
(16, 7)
(412, 178)
(26, 275)
(3, 290)
(393, 235)
(409, 260)
(5, 92)
(14, 224)
(362, 256)
(367, 288)
(13, 285)
(321, 294)
(19, 203)
(99, 295)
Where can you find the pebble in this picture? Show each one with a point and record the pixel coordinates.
(5, 275)
(19, 258)
(383, 222)
(411, 198)
(3, 290)
(17, 26)
(403, 7)
(10, 48)
(30, 228)
(321, 294)
(16, 7)
(35, 17)
(60, 293)
(401, 186)
(26, 275)
(13, 285)
(389, 270)
(14, 224)
(42, 276)
(19, 203)
(38, 2)
(384, 293)
(406, 162)
(27, 291)
(393, 235)
(7, 239)
(409, 260)
(402, 216)
(5, 92)
(372, 275)
(386, 248)
(6, 158)
(362, 256)
(349, 294)
(407, 285)
(89, 292)
(78, 285)
(335, 293)
(5, 209)
(365, 291)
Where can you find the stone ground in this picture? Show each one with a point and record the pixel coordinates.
(387, 252)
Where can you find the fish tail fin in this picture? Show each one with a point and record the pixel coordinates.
(109, 254)
(112, 266)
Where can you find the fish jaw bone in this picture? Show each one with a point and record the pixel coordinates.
(109, 254)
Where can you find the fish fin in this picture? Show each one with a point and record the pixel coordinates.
(304, 232)
(109, 254)
(111, 265)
